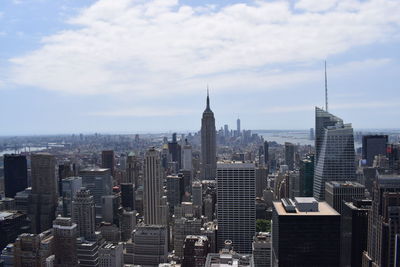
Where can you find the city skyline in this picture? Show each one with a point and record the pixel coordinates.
(74, 66)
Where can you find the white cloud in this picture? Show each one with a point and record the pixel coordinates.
(158, 47)
(144, 112)
(315, 5)
(343, 106)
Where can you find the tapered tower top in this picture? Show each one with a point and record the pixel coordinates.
(208, 109)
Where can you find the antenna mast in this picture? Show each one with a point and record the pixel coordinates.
(326, 90)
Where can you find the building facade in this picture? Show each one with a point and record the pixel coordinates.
(236, 204)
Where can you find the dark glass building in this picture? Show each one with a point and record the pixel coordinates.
(373, 145)
(306, 179)
(354, 232)
(128, 196)
(15, 174)
(305, 233)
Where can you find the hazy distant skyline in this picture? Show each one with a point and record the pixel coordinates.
(74, 66)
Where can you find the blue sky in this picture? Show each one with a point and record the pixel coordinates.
(74, 66)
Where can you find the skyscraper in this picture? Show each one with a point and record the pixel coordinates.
(262, 249)
(289, 155)
(236, 212)
(195, 250)
(373, 145)
(323, 119)
(15, 174)
(175, 191)
(208, 144)
(238, 127)
(99, 182)
(338, 192)
(128, 196)
(266, 153)
(108, 160)
(305, 233)
(83, 214)
(133, 169)
(150, 245)
(43, 200)
(153, 190)
(175, 151)
(70, 186)
(187, 157)
(65, 233)
(306, 176)
(336, 159)
(354, 232)
(383, 222)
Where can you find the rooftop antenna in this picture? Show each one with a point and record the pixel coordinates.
(326, 90)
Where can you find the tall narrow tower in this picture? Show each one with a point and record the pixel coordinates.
(152, 188)
(208, 144)
(43, 200)
(238, 127)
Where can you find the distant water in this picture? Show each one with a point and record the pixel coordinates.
(298, 138)
(295, 137)
(20, 150)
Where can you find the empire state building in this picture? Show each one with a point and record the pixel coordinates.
(208, 144)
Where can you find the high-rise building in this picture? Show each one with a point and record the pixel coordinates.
(33, 249)
(133, 169)
(195, 250)
(354, 232)
(110, 208)
(323, 119)
(175, 151)
(70, 186)
(373, 145)
(83, 214)
(187, 163)
(266, 153)
(383, 222)
(150, 245)
(153, 190)
(111, 255)
(127, 224)
(108, 160)
(262, 249)
(336, 160)
(338, 192)
(182, 228)
(208, 144)
(99, 182)
(289, 155)
(87, 253)
(128, 196)
(65, 170)
(65, 234)
(238, 127)
(261, 180)
(306, 176)
(12, 224)
(15, 174)
(236, 212)
(175, 191)
(305, 233)
(44, 197)
(197, 193)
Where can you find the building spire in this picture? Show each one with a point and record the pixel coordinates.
(326, 90)
(208, 98)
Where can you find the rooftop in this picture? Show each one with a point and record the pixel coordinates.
(344, 184)
(323, 210)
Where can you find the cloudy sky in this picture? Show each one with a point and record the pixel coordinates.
(71, 66)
